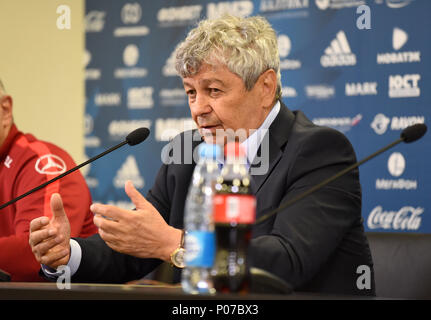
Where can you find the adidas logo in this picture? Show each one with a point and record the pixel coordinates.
(338, 53)
(129, 171)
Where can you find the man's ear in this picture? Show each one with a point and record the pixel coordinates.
(6, 105)
(269, 87)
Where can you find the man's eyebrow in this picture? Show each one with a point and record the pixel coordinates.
(210, 80)
(204, 82)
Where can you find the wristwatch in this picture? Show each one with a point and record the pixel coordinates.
(177, 257)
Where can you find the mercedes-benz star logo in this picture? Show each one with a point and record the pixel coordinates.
(50, 164)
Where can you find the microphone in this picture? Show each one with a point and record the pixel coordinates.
(408, 135)
(133, 138)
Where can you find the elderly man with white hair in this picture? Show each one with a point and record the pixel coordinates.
(231, 74)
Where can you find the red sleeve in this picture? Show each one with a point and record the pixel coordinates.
(16, 256)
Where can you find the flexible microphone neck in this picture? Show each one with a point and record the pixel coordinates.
(408, 135)
(133, 138)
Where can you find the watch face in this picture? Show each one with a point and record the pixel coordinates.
(178, 258)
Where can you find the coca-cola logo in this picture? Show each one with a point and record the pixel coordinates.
(406, 218)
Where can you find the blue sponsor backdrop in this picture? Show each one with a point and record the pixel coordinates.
(362, 70)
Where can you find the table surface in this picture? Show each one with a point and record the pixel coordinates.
(50, 291)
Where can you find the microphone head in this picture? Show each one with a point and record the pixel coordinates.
(413, 132)
(137, 136)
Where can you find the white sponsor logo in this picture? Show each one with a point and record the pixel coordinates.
(236, 8)
(107, 99)
(121, 128)
(88, 124)
(320, 92)
(8, 161)
(338, 53)
(50, 164)
(289, 92)
(131, 55)
(407, 218)
(87, 58)
(136, 31)
(166, 129)
(277, 5)
(381, 123)
(91, 73)
(399, 39)
(342, 124)
(131, 13)
(396, 167)
(172, 97)
(179, 15)
(404, 86)
(95, 21)
(396, 164)
(396, 4)
(284, 47)
(140, 98)
(128, 171)
(338, 4)
(361, 89)
(90, 141)
(130, 59)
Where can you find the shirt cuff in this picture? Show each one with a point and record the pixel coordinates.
(73, 264)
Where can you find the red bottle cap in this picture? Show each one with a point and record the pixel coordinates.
(234, 149)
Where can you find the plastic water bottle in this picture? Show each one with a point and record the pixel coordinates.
(198, 223)
(234, 215)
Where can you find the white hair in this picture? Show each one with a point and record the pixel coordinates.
(247, 46)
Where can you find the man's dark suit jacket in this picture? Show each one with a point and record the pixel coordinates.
(315, 245)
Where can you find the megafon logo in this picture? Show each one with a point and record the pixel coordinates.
(338, 53)
(396, 167)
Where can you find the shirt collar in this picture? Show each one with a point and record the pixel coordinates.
(252, 143)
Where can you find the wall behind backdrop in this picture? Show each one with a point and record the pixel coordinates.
(366, 74)
(41, 67)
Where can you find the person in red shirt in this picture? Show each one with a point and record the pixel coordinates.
(25, 163)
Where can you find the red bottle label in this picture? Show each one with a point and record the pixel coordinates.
(230, 208)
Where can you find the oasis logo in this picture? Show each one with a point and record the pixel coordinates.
(406, 218)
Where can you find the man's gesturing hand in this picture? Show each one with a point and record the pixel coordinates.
(49, 238)
(142, 233)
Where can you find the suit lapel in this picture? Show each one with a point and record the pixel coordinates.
(279, 132)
